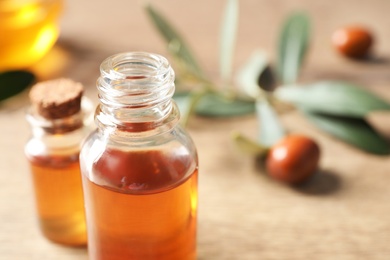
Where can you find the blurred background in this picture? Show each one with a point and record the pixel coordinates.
(102, 29)
(341, 214)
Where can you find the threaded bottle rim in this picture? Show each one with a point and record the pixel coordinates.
(135, 91)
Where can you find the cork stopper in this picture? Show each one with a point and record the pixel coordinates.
(57, 99)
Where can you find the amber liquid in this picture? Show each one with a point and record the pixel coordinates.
(146, 208)
(28, 30)
(59, 198)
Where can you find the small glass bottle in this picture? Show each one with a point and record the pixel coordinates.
(28, 30)
(139, 167)
(60, 119)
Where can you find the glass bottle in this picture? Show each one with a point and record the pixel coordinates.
(28, 30)
(53, 156)
(140, 167)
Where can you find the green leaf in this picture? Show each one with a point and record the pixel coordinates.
(247, 145)
(215, 105)
(271, 130)
(14, 82)
(293, 43)
(176, 44)
(188, 101)
(355, 131)
(228, 38)
(248, 76)
(332, 97)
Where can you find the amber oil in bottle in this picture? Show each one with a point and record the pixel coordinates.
(59, 121)
(139, 167)
(28, 30)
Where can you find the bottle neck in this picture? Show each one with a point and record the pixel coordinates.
(62, 135)
(135, 92)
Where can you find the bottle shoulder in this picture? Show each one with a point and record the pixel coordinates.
(56, 144)
(139, 166)
(101, 139)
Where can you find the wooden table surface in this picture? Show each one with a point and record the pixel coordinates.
(343, 213)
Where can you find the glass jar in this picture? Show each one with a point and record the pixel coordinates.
(140, 167)
(28, 29)
(53, 156)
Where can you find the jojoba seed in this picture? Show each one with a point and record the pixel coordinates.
(353, 42)
(294, 159)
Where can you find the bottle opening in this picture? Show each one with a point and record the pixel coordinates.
(136, 65)
(135, 88)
